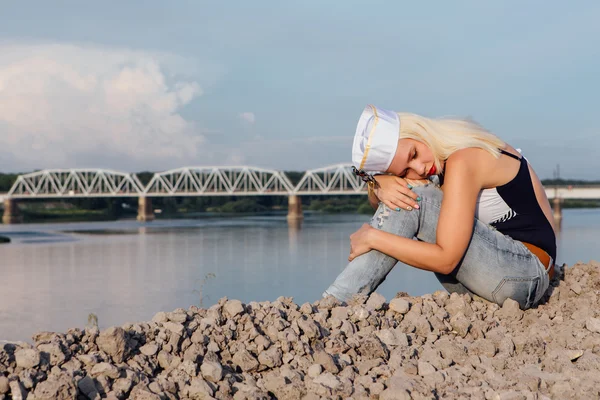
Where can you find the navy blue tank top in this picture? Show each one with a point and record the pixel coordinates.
(527, 223)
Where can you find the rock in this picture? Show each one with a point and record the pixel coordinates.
(309, 327)
(389, 394)
(510, 310)
(458, 304)
(149, 349)
(315, 370)
(88, 359)
(460, 324)
(593, 325)
(17, 391)
(306, 308)
(327, 303)
(425, 368)
(561, 389)
(154, 387)
(371, 347)
(141, 392)
(365, 366)
(328, 380)
(245, 360)
(174, 327)
(114, 343)
(4, 387)
(160, 317)
(271, 358)
(392, 337)
(399, 305)
(326, 361)
(55, 353)
(106, 369)
(27, 358)
(340, 313)
(87, 387)
(179, 317)
(376, 301)
(233, 308)
(507, 347)
(199, 389)
(483, 347)
(212, 371)
(165, 359)
(63, 389)
(123, 385)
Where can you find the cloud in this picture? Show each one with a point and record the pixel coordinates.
(59, 102)
(248, 116)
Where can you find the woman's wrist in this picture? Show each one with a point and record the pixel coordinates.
(372, 238)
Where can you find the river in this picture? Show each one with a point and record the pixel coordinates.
(52, 276)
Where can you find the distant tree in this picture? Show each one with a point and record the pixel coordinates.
(294, 176)
(6, 181)
(567, 182)
(145, 177)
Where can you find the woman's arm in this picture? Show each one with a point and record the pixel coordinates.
(394, 192)
(373, 199)
(462, 184)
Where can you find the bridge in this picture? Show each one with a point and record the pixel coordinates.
(206, 181)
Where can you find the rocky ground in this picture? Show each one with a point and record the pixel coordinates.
(435, 346)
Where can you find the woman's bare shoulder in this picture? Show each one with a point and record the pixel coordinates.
(473, 164)
(473, 157)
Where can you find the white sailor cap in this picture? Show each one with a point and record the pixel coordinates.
(376, 139)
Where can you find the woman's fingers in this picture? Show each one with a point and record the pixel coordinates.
(398, 195)
(404, 202)
(406, 191)
(398, 205)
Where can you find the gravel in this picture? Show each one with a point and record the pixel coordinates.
(434, 346)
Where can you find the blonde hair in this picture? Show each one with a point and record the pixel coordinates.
(445, 136)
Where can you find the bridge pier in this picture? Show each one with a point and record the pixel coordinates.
(145, 211)
(11, 212)
(295, 215)
(557, 211)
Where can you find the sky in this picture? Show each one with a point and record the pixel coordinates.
(154, 85)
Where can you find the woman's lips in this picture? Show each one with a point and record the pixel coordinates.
(432, 170)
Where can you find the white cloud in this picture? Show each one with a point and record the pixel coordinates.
(248, 116)
(68, 105)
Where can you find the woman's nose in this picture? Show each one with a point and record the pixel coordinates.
(420, 168)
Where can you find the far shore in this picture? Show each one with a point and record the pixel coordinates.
(319, 208)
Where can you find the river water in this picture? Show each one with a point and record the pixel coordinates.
(52, 276)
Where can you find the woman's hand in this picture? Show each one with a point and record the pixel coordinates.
(395, 193)
(360, 241)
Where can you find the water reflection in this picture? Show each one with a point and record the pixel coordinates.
(294, 227)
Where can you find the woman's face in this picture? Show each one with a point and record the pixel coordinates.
(413, 160)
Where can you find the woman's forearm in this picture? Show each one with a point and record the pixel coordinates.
(422, 255)
(373, 199)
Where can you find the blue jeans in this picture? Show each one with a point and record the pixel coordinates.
(494, 267)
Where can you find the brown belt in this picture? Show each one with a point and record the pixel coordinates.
(544, 258)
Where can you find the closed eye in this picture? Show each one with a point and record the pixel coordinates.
(414, 156)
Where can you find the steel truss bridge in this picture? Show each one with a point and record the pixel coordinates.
(188, 181)
(209, 181)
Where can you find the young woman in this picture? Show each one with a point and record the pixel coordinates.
(487, 230)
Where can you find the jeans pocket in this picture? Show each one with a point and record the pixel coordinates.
(523, 290)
